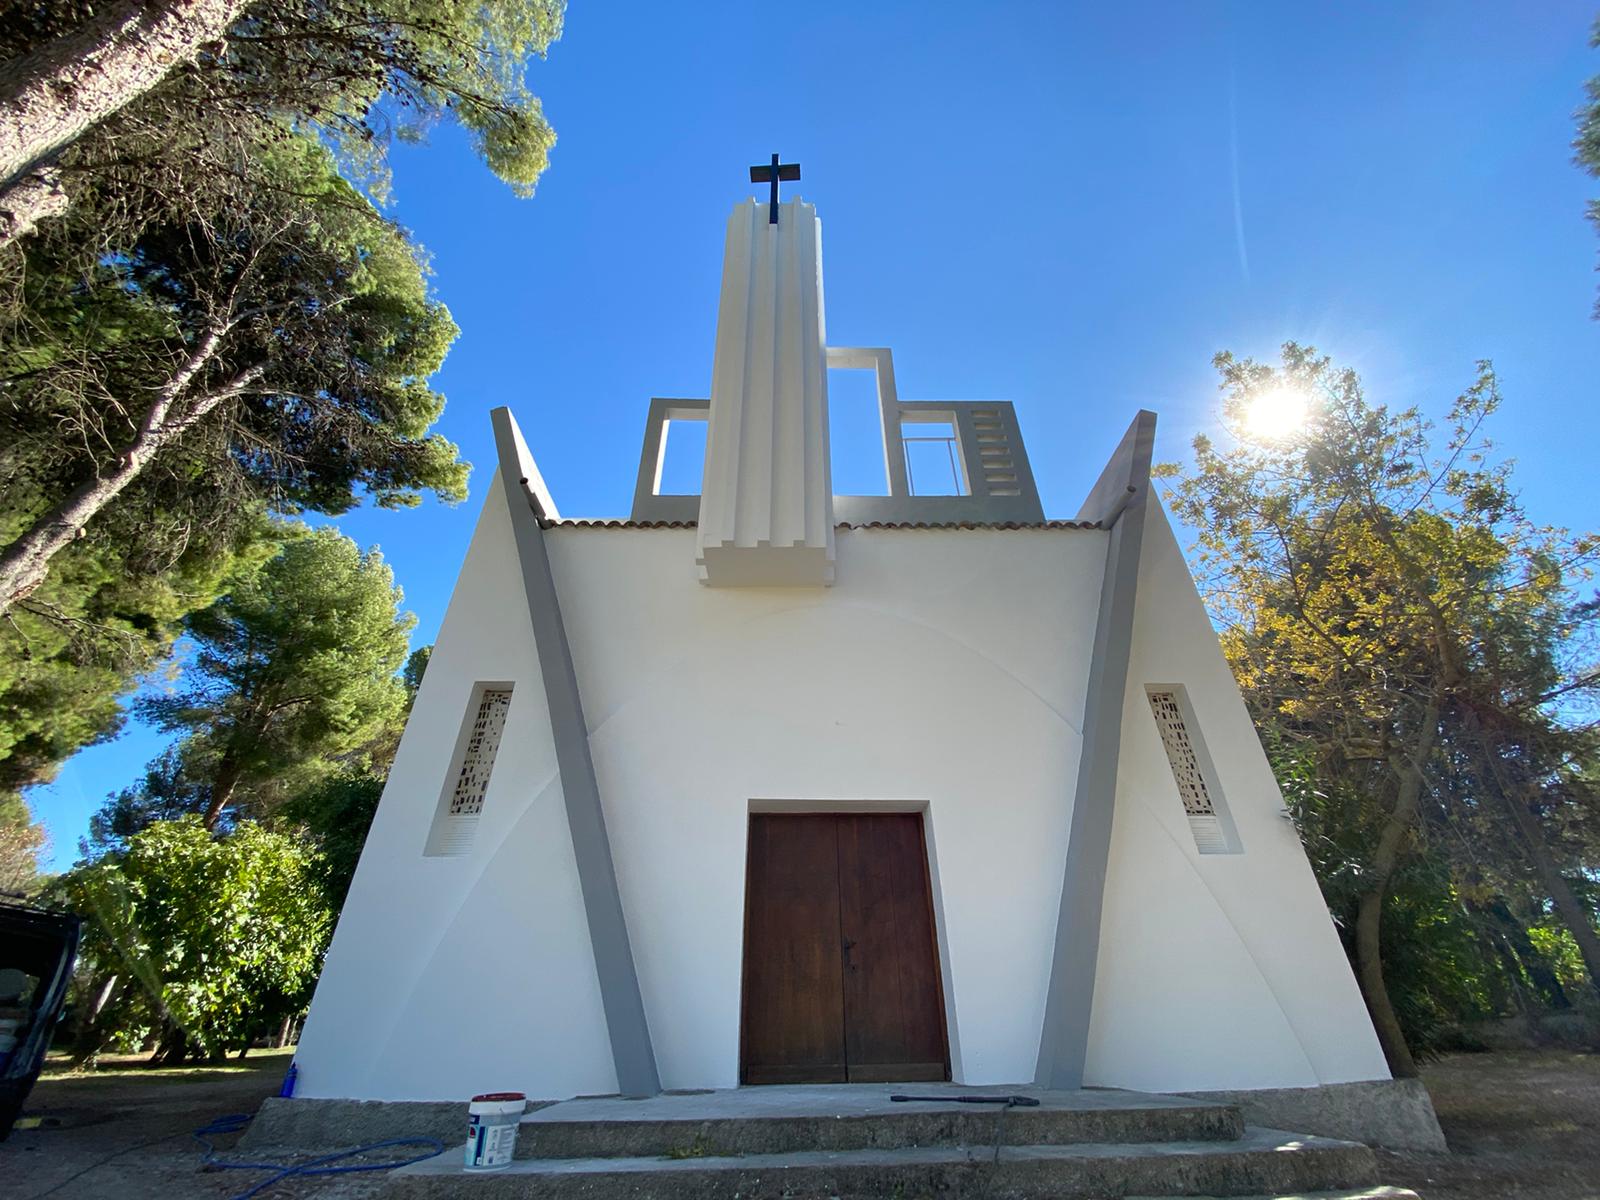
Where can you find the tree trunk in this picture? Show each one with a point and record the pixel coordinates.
(1369, 910)
(222, 787)
(1374, 990)
(91, 1033)
(282, 1040)
(35, 196)
(26, 561)
(173, 1047)
(1538, 968)
(50, 97)
(1574, 914)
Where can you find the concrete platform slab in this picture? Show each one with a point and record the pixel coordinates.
(783, 1119)
(1372, 1193)
(838, 1100)
(1261, 1161)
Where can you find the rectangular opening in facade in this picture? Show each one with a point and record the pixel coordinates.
(934, 464)
(1192, 770)
(855, 433)
(466, 783)
(683, 457)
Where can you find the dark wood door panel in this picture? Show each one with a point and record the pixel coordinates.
(841, 975)
(793, 1028)
(893, 1002)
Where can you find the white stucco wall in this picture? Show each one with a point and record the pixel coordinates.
(938, 670)
(1215, 970)
(944, 671)
(452, 976)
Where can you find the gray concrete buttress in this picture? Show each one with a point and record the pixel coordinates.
(626, 1024)
(1117, 501)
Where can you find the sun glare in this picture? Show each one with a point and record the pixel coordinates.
(1277, 414)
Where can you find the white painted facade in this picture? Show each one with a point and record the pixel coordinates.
(945, 671)
(1211, 966)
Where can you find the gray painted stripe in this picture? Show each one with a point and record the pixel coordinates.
(597, 875)
(1119, 496)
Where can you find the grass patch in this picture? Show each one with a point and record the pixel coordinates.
(58, 1065)
(695, 1149)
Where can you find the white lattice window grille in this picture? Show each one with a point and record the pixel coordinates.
(483, 740)
(470, 770)
(1202, 806)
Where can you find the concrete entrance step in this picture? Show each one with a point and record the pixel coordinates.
(1261, 1161)
(1372, 1193)
(782, 1120)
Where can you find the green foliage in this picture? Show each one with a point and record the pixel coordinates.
(211, 204)
(1555, 944)
(363, 71)
(416, 667)
(355, 73)
(294, 674)
(20, 844)
(336, 813)
(1423, 665)
(223, 936)
(318, 296)
(104, 617)
(1435, 965)
(1586, 146)
(1434, 961)
(165, 792)
(286, 278)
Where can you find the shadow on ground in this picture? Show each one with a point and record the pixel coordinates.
(123, 1133)
(1521, 1126)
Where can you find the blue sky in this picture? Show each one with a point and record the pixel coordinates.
(1069, 206)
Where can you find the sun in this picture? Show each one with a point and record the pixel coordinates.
(1279, 413)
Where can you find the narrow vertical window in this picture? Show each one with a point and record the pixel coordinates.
(1202, 802)
(934, 462)
(472, 764)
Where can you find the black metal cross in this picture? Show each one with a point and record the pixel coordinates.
(788, 172)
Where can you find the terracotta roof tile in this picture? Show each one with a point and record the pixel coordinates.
(623, 523)
(969, 525)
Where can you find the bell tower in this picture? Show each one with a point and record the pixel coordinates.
(766, 503)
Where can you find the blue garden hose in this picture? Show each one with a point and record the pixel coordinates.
(236, 1122)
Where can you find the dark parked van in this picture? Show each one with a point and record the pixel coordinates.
(37, 951)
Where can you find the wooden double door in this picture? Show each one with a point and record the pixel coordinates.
(841, 968)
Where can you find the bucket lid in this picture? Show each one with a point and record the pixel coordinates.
(496, 1097)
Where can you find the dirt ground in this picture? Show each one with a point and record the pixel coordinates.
(1521, 1126)
(123, 1133)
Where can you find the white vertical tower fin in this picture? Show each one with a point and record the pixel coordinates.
(766, 502)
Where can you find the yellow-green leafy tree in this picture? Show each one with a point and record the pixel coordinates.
(1399, 623)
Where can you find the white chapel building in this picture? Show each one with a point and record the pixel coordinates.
(773, 785)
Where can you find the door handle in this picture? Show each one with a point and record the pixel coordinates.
(848, 946)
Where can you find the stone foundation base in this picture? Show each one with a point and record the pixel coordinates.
(1396, 1114)
(336, 1124)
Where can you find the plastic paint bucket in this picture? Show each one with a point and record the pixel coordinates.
(492, 1121)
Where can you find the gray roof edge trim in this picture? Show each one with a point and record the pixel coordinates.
(1005, 526)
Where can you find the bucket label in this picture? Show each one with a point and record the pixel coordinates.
(490, 1145)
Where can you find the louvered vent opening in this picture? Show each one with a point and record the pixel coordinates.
(1211, 835)
(462, 802)
(1208, 835)
(995, 454)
